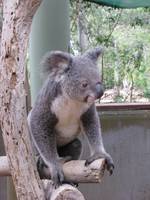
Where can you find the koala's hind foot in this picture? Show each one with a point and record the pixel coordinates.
(109, 164)
(42, 169)
(71, 183)
(54, 173)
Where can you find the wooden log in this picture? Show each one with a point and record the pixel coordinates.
(66, 192)
(74, 171)
(63, 192)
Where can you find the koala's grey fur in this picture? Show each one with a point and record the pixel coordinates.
(64, 109)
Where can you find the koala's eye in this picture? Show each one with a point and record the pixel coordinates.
(84, 85)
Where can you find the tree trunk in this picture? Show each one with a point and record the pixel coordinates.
(17, 15)
(1, 19)
(131, 88)
(116, 73)
(83, 40)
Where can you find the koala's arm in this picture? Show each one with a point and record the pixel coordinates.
(42, 129)
(92, 129)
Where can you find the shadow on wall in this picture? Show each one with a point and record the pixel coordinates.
(127, 138)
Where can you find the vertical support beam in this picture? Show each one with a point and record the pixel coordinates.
(11, 194)
(3, 181)
(50, 31)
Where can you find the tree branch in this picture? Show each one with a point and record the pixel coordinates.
(74, 171)
(61, 193)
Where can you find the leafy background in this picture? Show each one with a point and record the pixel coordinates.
(125, 36)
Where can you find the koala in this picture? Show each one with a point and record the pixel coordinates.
(64, 109)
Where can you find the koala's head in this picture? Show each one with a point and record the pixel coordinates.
(79, 75)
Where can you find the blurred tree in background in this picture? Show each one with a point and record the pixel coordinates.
(125, 34)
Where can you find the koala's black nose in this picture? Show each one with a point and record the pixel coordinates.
(99, 90)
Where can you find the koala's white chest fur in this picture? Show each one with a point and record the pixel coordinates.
(68, 113)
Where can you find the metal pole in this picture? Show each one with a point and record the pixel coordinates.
(50, 31)
(11, 194)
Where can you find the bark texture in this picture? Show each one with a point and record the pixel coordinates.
(75, 171)
(17, 15)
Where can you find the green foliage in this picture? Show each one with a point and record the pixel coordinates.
(126, 37)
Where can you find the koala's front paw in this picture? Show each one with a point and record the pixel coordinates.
(108, 161)
(57, 175)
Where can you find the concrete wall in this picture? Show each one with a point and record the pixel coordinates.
(127, 138)
(50, 31)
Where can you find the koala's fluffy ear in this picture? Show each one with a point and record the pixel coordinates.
(56, 61)
(94, 53)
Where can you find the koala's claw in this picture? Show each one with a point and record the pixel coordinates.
(90, 160)
(109, 165)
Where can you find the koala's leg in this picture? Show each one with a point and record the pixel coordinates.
(42, 124)
(91, 126)
(42, 169)
(72, 150)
